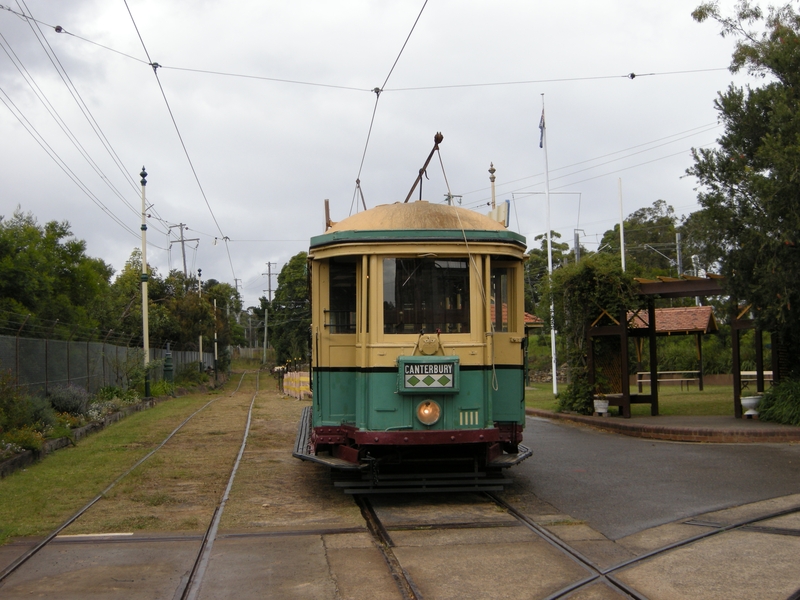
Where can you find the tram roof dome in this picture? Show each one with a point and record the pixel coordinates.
(416, 215)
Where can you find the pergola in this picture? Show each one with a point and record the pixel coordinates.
(654, 322)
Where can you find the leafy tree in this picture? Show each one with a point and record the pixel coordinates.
(229, 304)
(749, 184)
(581, 292)
(650, 248)
(44, 271)
(536, 267)
(291, 309)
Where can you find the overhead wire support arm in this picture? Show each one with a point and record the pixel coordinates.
(437, 139)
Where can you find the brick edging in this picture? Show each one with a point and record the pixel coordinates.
(677, 434)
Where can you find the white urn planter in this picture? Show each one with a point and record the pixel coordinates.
(750, 405)
(600, 405)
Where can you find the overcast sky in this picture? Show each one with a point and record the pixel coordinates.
(268, 146)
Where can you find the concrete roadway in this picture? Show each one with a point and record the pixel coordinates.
(621, 485)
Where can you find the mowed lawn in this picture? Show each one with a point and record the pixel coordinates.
(713, 400)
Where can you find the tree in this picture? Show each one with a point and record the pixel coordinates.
(650, 248)
(290, 328)
(750, 183)
(581, 293)
(45, 272)
(536, 267)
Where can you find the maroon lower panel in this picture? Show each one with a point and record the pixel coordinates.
(420, 438)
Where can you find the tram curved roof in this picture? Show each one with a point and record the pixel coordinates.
(416, 215)
(417, 220)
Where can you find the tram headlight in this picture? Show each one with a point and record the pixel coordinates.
(428, 412)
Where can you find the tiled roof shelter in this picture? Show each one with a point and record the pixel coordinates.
(639, 326)
(695, 320)
(677, 321)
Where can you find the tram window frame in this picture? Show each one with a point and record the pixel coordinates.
(342, 295)
(435, 295)
(502, 284)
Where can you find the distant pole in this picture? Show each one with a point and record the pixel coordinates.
(145, 277)
(492, 171)
(216, 356)
(266, 324)
(678, 250)
(200, 294)
(269, 279)
(621, 227)
(543, 144)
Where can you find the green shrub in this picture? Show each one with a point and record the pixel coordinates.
(161, 388)
(14, 408)
(69, 399)
(18, 410)
(578, 396)
(26, 437)
(42, 415)
(781, 403)
(114, 393)
(190, 374)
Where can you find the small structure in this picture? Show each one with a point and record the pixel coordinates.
(681, 320)
(640, 325)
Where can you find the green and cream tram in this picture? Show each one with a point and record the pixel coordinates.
(417, 340)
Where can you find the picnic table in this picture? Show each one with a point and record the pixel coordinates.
(748, 377)
(679, 377)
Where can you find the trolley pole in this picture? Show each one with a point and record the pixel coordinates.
(145, 277)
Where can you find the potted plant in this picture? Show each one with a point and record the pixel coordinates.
(600, 403)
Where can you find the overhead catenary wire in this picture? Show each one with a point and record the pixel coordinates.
(28, 126)
(630, 75)
(377, 92)
(83, 107)
(155, 67)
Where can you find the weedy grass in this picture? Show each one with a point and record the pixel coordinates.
(36, 500)
(713, 400)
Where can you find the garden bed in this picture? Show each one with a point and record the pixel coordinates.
(28, 457)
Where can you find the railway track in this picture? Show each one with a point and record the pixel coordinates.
(595, 574)
(190, 585)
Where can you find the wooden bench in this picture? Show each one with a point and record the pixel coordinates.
(679, 377)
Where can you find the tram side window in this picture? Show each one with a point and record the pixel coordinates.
(500, 299)
(342, 313)
(425, 294)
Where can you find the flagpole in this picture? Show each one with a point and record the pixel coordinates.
(543, 144)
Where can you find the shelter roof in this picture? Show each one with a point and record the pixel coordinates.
(683, 287)
(679, 320)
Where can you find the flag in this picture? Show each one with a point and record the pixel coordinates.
(541, 129)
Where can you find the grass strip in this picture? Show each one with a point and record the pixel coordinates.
(713, 400)
(36, 500)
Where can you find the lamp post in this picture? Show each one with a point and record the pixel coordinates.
(145, 277)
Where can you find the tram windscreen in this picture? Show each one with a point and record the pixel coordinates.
(425, 294)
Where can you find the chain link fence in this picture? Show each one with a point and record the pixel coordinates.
(38, 365)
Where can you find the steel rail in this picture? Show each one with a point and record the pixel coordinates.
(385, 544)
(16, 564)
(606, 575)
(596, 572)
(191, 589)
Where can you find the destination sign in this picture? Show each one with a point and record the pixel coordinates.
(429, 375)
(432, 369)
